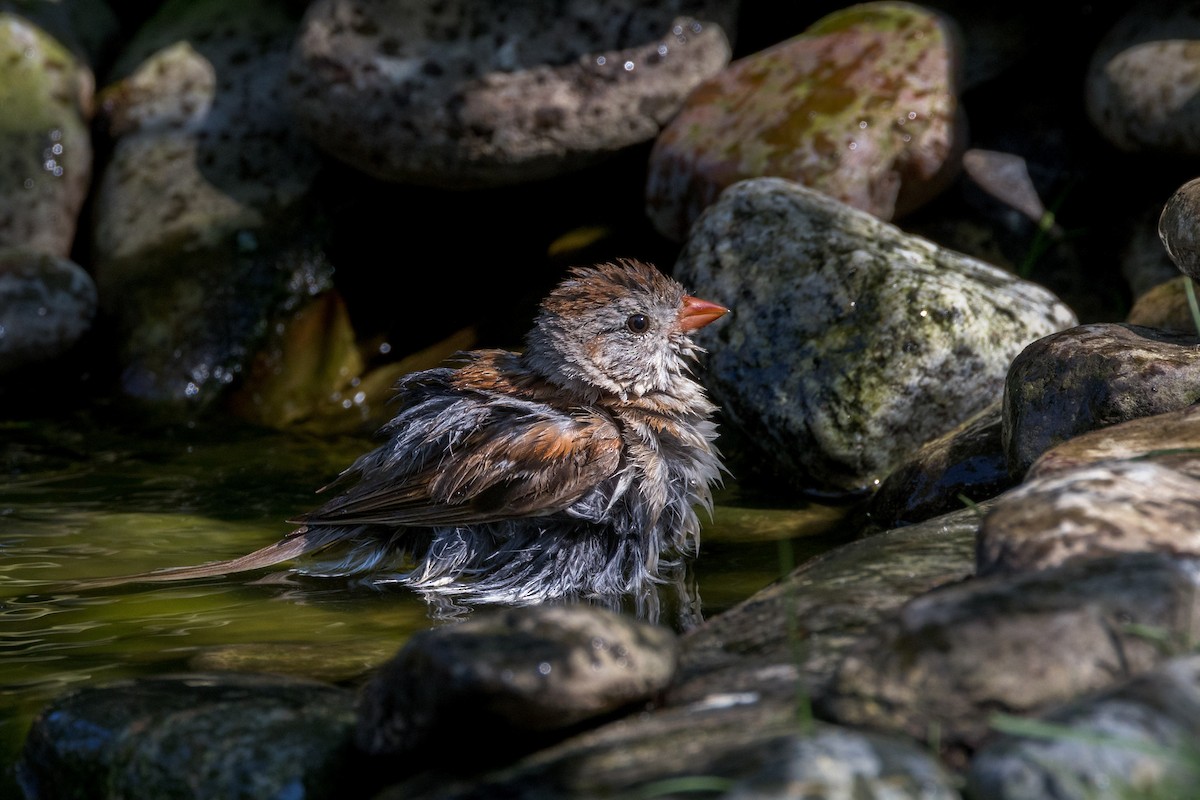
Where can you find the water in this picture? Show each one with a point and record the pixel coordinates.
(84, 497)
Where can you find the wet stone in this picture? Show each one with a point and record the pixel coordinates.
(1135, 740)
(47, 304)
(1091, 511)
(1143, 78)
(1165, 306)
(462, 94)
(1171, 438)
(506, 679)
(861, 106)
(950, 658)
(45, 143)
(1178, 225)
(853, 344)
(205, 233)
(196, 735)
(966, 465)
(1092, 376)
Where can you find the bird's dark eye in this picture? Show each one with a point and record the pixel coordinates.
(638, 323)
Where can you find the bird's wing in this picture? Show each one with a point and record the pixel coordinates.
(466, 459)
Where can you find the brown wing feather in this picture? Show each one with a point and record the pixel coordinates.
(529, 467)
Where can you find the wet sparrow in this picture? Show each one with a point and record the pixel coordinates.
(572, 469)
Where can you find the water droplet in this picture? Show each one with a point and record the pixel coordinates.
(924, 313)
(862, 123)
(544, 668)
(677, 30)
(56, 149)
(912, 115)
(697, 27)
(56, 135)
(191, 390)
(347, 404)
(629, 65)
(853, 145)
(28, 184)
(663, 50)
(42, 311)
(360, 398)
(385, 348)
(601, 60)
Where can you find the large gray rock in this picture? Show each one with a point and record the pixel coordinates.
(851, 344)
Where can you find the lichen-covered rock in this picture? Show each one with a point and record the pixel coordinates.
(46, 94)
(471, 94)
(46, 305)
(204, 233)
(1091, 376)
(851, 343)
(1143, 79)
(862, 106)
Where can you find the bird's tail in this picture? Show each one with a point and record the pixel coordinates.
(300, 542)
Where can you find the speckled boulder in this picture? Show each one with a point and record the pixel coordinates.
(204, 233)
(500, 679)
(1091, 511)
(473, 94)
(1143, 78)
(46, 305)
(1171, 438)
(862, 106)
(1134, 740)
(46, 94)
(1092, 376)
(1024, 643)
(851, 343)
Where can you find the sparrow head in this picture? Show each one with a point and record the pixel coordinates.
(622, 328)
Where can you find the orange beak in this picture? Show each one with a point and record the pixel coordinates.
(696, 313)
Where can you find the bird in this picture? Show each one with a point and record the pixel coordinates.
(573, 467)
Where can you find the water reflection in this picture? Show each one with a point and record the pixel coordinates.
(80, 501)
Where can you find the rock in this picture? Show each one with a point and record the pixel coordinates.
(464, 94)
(1020, 643)
(1143, 77)
(1177, 226)
(861, 106)
(500, 681)
(966, 465)
(1171, 438)
(47, 96)
(1165, 306)
(196, 735)
(1091, 376)
(47, 304)
(1089, 512)
(1135, 740)
(851, 343)
(784, 642)
(205, 234)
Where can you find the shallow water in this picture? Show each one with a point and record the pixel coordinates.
(79, 498)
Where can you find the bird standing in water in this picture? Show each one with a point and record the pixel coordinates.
(571, 469)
